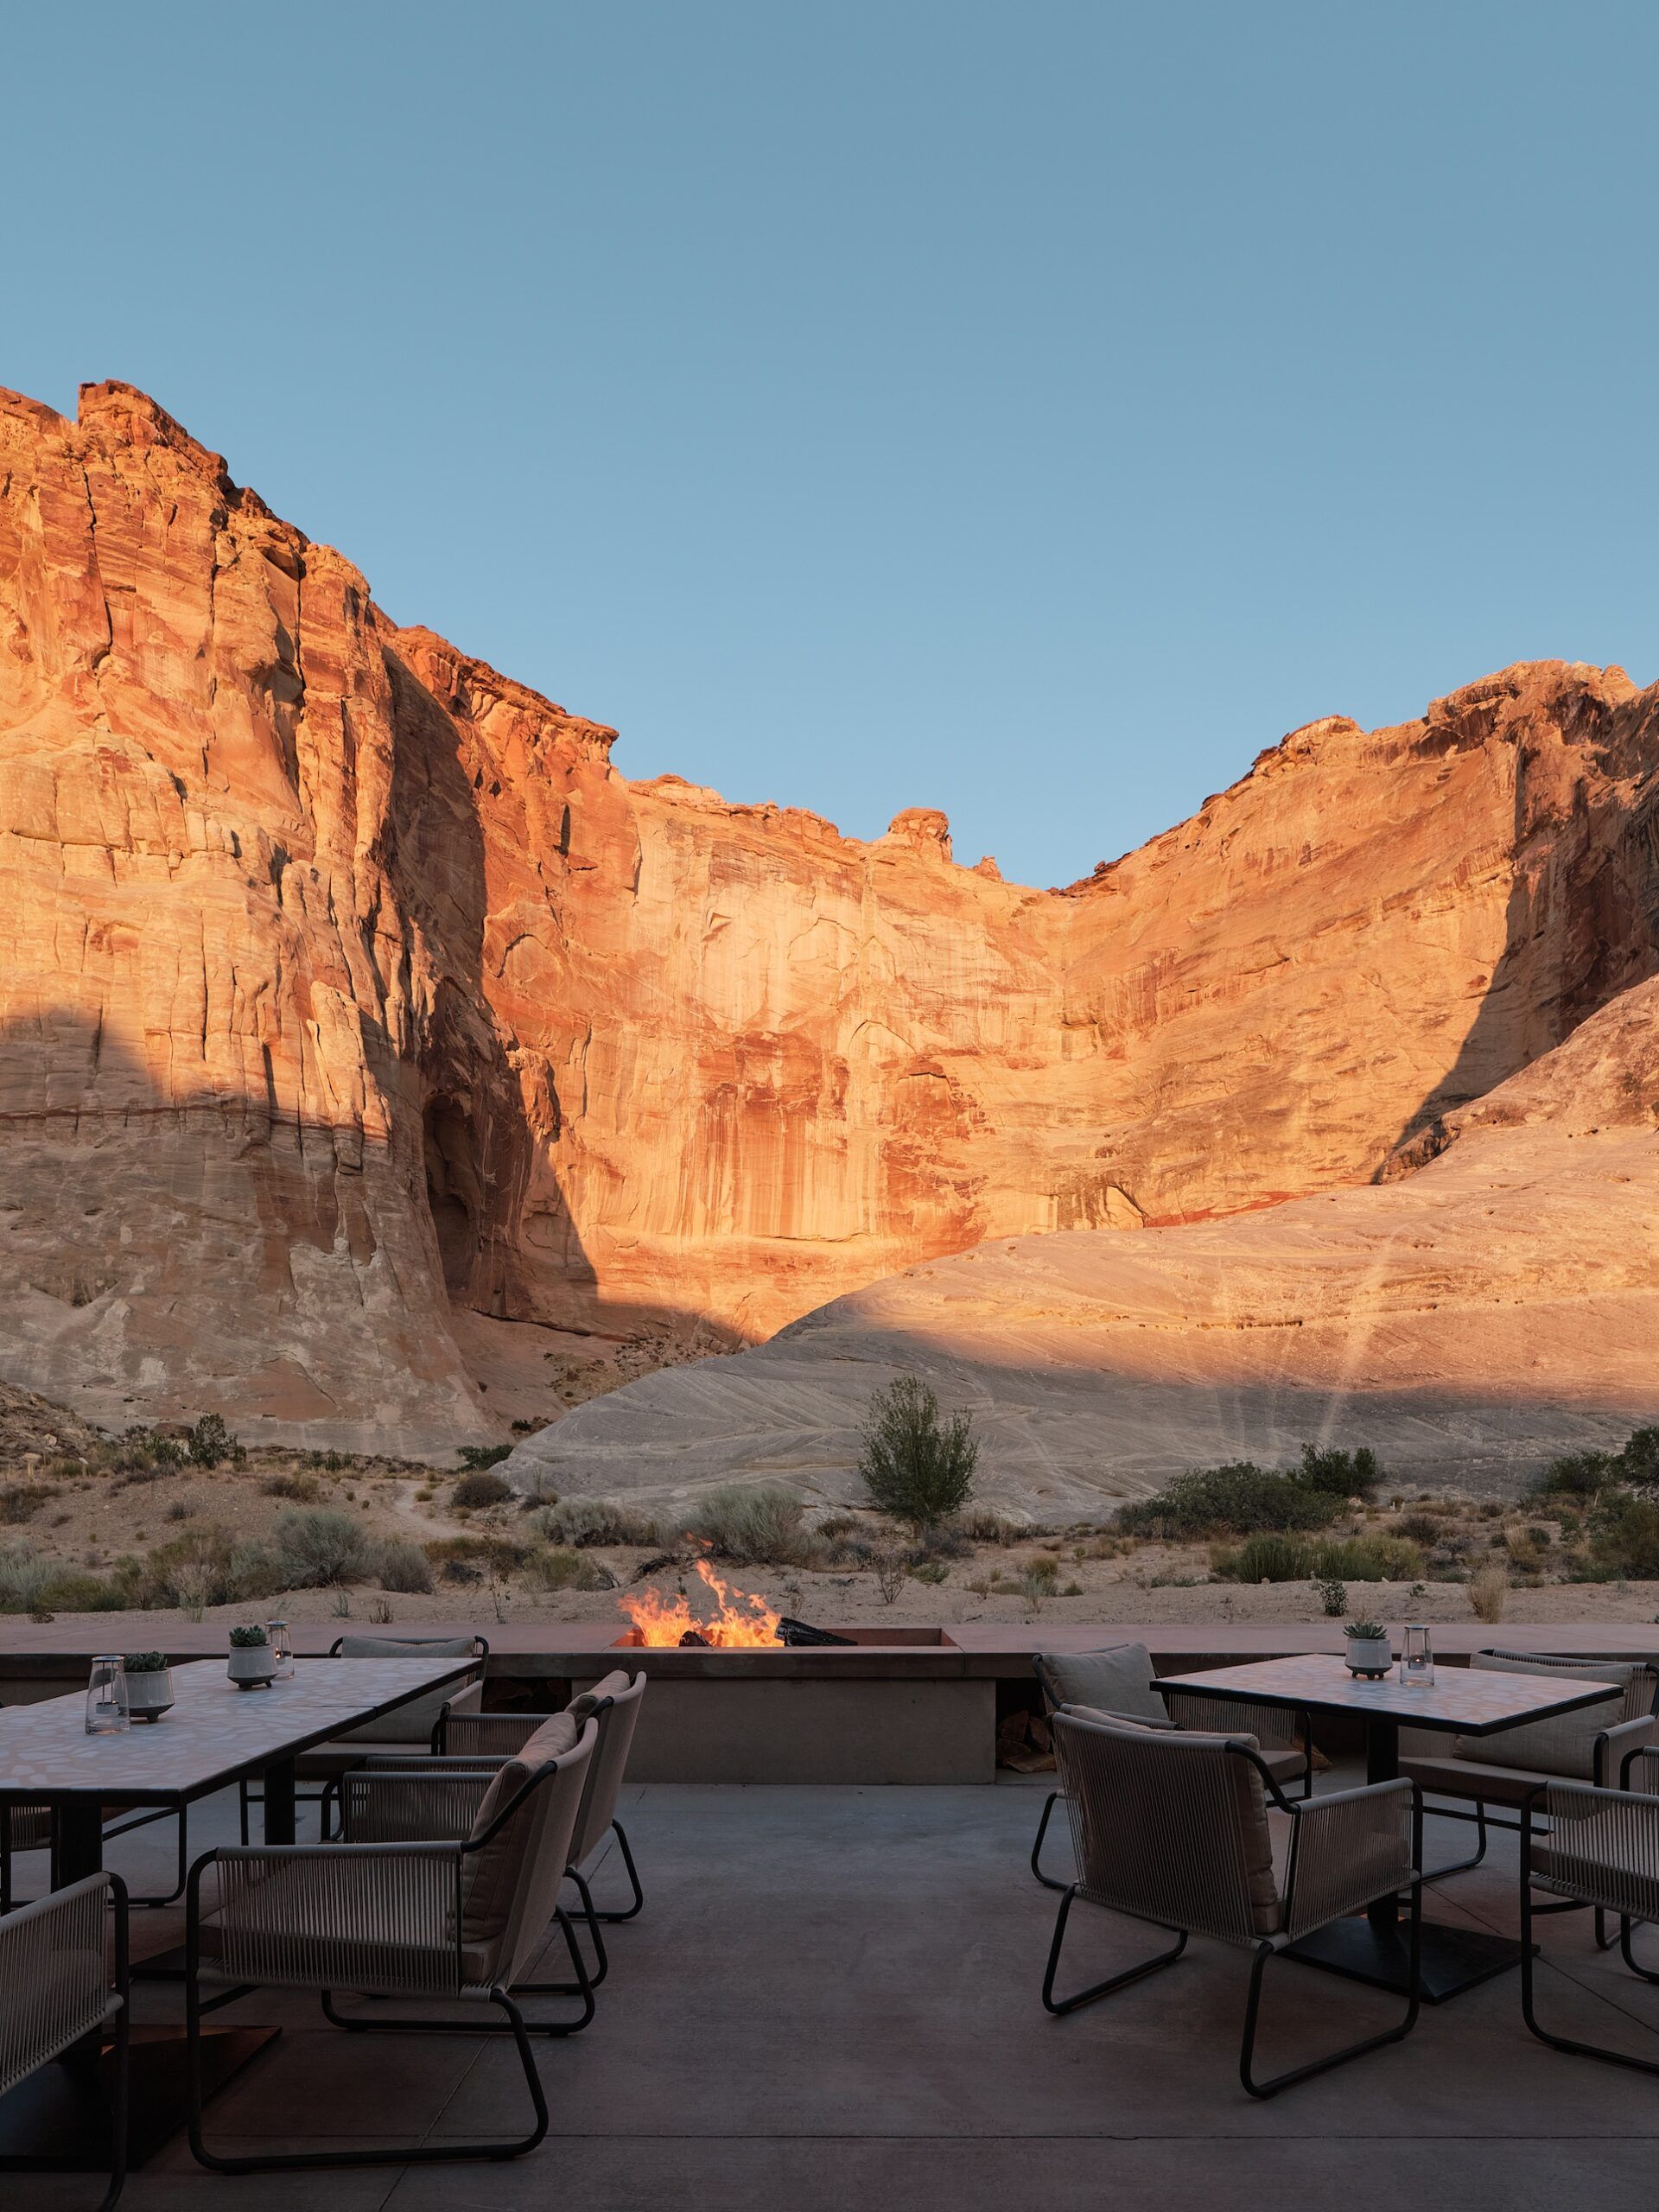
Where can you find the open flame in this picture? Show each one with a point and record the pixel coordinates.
(742, 1619)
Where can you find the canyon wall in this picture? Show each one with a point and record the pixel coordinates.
(347, 985)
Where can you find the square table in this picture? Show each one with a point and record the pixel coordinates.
(1461, 1700)
(215, 1733)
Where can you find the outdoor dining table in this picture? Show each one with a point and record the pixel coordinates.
(1461, 1700)
(214, 1734)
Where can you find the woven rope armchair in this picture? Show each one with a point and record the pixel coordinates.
(1119, 1680)
(1170, 1827)
(1591, 1745)
(56, 1990)
(1602, 1850)
(444, 1917)
(479, 1742)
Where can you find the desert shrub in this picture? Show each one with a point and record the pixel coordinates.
(496, 1555)
(321, 1546)
(1340, 1474)
(554, 1567)
(1265, 1559)
(1624, 1538)
(23, 1581)
(479, 1456)
(481, 1486)
(984, 1526)
(1489, 1591)
(1368, 1558)
(1333, 1598)
(1418, 1528)
(22, 1501)
(930, 1570)
(585, 1520)
(298, 1489)
(1238, 1500)
(752, 1524)
(1577, 1474)
(209, 1444)
(402, 1566)
(207, 1566)
(916, 1465)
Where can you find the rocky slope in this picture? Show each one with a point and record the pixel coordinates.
(346, 985)
(1470, 1321)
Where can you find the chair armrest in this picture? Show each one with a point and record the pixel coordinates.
(400, 1806)
(1617, 1746)
(384, 1915)
(493, 1735)
(54, 1968)
(1130, 1719)
(1644, 1759)
(1604, 1846)
(1348, 1848)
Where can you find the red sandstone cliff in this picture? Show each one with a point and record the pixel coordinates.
(344, 979)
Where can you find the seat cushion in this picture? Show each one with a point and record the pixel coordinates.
(1471, 1779)
(491, 1874)
(611, 1685)
(418, 1717)
(1117, 1680)
(1563, 1745)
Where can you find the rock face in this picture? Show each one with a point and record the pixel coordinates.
(1470, 1321)
(347, 985)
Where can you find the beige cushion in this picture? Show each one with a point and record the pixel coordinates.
(491, 1875)
(1564, 1746)
(611, 1685)
(1118, 1681)
(416, 1719)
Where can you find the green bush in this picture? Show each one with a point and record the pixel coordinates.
(1368, 1558)
(483, 1455)
(588, 1521)
(916, 1465)
(1581, 1474)
(1238, 1500)
(1341, 1474)
(752, 1525)
(556, 1568)
(481, 1486)
(210, 1443)
(1625, 1540)
(1266, 1559)
(22, 1501)
(321, 1547)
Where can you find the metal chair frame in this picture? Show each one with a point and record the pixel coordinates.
(504, 1998)
(1529, 1912)
(1263, 1951)
(120, 2027)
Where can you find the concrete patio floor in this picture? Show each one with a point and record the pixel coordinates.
(831, 2003)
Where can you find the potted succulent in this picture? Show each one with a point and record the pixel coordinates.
(150, 1685)
(253, 1661)
(1369, 1652)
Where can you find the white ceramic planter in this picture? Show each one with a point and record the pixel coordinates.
(253, 1665)
(148, 1696)
(1369, 1654)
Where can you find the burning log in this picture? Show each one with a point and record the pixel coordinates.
(792, 1631)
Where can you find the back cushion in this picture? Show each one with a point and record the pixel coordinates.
(490, 1875)
(1565, 1746)
(612, 1685)
(1118, 1681)
(412, 1723)
(1160, 1796)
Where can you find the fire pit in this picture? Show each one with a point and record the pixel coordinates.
(741, 1622)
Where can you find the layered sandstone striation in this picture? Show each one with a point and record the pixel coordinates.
(346, 986)
(1469, 1321)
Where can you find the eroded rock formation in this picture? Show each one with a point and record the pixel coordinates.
(346, 983)
(1469, 1321)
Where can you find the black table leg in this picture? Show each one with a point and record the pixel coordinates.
(279, 1802)
(77, 1850)
(1376, 1948)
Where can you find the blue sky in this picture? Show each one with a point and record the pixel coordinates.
(1028, 412)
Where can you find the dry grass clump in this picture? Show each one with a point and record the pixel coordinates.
(584, 1522)
(1489, 1591)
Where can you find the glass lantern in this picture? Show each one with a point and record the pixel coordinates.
(1416, 1657)
(281, 1649)
(106, 1696)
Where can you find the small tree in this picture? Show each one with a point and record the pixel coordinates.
(915, 1464)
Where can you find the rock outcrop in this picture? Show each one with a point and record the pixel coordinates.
(346, 984)
(1469, 1321)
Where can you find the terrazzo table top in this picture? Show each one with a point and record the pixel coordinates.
(1466, 1700)
(213, 1732)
